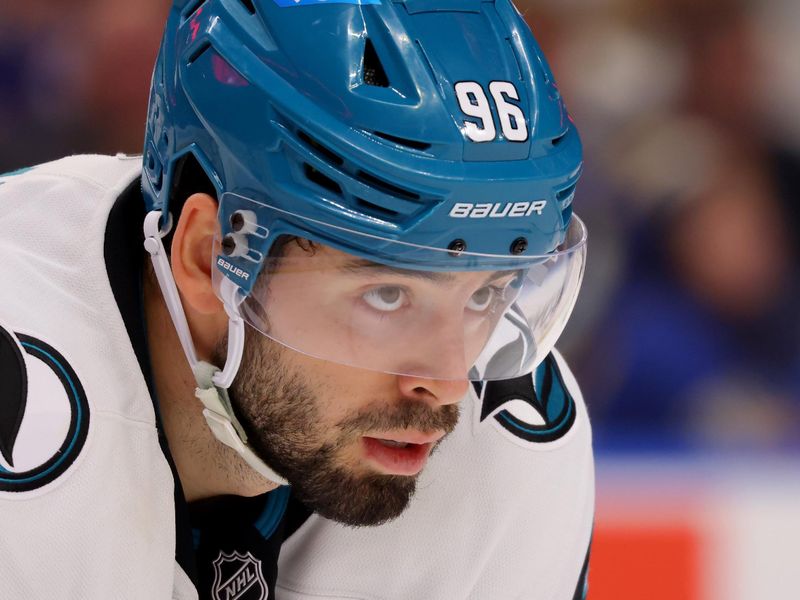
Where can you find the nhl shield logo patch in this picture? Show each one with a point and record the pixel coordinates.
(238, 577)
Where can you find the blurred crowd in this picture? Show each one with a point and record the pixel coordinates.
(686, 336)
(687, 333)
(74, 76)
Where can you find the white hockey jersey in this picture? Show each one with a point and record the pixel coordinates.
(503, 510)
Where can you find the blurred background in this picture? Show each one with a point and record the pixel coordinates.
(686, 338)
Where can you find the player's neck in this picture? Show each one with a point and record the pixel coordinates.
(205, 466)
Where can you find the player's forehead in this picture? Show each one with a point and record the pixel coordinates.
(314, 255)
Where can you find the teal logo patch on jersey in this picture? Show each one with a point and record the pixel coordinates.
(238, 577)
(44, 414)
(536, 408)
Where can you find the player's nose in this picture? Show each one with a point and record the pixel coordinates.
(438, 373)
(436, 392)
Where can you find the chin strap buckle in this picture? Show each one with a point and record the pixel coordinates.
(218, 413)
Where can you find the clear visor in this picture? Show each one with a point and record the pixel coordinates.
(479, 324)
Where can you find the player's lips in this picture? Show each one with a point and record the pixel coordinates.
(400, 453)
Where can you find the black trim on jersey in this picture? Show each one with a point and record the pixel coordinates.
(124, 255)
(582, 589)
(233, 526)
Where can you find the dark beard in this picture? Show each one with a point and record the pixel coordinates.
(282, 418)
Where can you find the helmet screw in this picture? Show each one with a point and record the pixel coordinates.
(519, 245)
(456, 247)
(237, 221)
(228, 245)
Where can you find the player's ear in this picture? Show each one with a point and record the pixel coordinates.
(192, 248)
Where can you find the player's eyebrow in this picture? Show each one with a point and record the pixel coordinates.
(362, 266)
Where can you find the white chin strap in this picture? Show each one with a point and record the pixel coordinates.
(212, 384)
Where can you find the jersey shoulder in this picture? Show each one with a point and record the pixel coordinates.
(96, 170)
(60, 208)
(64, 348)
(84, 483)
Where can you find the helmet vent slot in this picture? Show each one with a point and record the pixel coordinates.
(556, 141)
(414, 144)
(198, 52)
(191, 8)
(373, 72)
(564, 196)
(248, 4)
(386, 187)
(322, 180)
(315, 145)
(375, 210)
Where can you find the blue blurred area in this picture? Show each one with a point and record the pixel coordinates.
(686, 337)
(696, 360)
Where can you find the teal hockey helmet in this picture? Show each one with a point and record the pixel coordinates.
(420, 146)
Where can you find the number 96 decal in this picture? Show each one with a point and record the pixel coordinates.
(475, 104)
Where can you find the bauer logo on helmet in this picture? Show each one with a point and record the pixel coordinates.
(463, 210)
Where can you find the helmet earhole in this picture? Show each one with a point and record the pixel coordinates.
(228, 245)
(237, 221)
(245, 222)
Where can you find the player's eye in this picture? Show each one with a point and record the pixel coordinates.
(388, 298)
(481, 300)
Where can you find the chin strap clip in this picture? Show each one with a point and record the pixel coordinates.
(223, 422)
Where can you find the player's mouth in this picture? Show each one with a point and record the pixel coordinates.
(400, 454)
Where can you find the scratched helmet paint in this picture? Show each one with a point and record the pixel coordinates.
(424, 137)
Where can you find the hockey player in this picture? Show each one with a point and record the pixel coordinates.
(350, 219)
